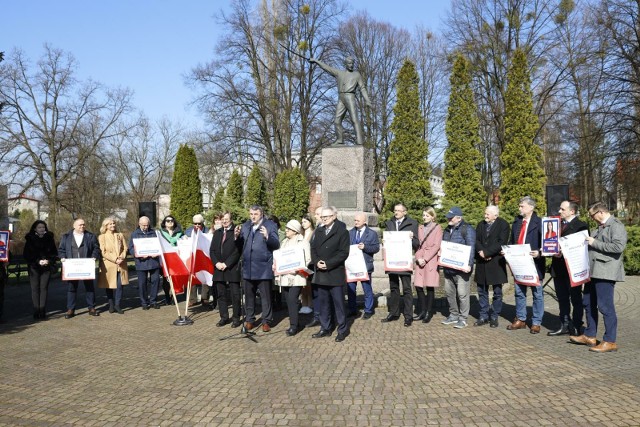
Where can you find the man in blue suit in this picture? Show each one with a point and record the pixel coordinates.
(527, 228)
(258, 239)
(368, 242)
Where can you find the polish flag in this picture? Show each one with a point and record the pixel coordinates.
(201, 264)
(173, 265)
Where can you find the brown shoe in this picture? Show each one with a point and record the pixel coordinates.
(535, 329)
(605, 347)
(93, 312)
(517, 324)
(584, 340)
(248, 326)
(266, 327)
(69, 314)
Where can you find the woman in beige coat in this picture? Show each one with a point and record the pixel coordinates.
(291, 284)
(113, 272)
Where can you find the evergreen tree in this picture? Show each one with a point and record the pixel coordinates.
(521, 160)
(291, 195)
(462, 177)
(256, 190)
(186, 198)
(218, 201)
(234, 195)
(408, 166)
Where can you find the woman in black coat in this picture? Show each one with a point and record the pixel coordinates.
(40, 253)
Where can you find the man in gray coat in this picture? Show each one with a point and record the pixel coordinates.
(606, 245)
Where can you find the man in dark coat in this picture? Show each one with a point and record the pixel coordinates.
(567, 295)
(368, 242)
(527, 228)
(491, 267)
(329, 251)
(258, 238)
(79, 243)
(401, 222)
(225, 256)
(147, 267)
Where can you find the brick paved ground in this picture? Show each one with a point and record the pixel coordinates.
(138, 369)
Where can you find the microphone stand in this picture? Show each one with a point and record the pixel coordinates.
(244, 333)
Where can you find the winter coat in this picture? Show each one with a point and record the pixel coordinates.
(295, 279)
(493, 271)
(428, 276)
(112, 246)
(144, 263)
(228, 253)
(333, 249)
(40, 248)
(257, 251)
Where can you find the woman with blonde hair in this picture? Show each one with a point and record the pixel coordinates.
(112, 272)
(426, 276)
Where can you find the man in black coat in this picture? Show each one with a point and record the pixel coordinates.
(491, 267)
(329, 251)
(567, 295)
(79, 243)
(401, 222)
(225, 256)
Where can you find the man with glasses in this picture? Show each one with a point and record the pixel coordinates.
(566, 294)
(606, 247)
(225, 255)
(259, 238)
(79, 243)
(147, 267)
(401, 222)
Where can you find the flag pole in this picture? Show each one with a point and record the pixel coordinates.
(173, 295)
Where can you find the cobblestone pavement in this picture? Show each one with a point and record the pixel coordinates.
(138, 369)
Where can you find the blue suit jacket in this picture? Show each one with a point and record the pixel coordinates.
(533, 238)
(371, 245)
(257, 252)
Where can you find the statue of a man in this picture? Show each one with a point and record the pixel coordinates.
(348, 82)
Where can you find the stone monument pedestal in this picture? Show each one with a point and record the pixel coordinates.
(347, 182)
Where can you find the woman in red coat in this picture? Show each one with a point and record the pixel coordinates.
(425, 273)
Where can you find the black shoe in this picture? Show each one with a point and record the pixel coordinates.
(366, 316)
(223, 322)
(564, 330)
(420, 316)
(43, 314)
(390, 318)
(341, 337)
(235, 323)
(155, 305)
(481, 322)
(354, 314)
(321, 334)
(145, 307)
(291, 332)
(427, 317)
(493, 323)
(314, 322)
(119, 310)
(408, 322)
(112, 308)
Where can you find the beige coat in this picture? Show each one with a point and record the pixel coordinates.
(295, 279)
(112, 246)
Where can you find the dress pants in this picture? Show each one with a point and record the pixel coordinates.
(39, 280)
(328, 295)
(569, 296)
(394, 296)
(250, 288)
(292, 293)
(148, 294)
(226, 290)
(598, 296)
(496, 303)
(72, 290)
(368, 296)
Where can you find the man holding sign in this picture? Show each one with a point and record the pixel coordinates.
(147, 262)
(456, 278)
(75, 244)
(367, 241)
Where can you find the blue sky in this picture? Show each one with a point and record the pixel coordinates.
(148, 46)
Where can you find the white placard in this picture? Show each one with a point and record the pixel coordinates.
(146, 247)
(397, 251)
(79, 269)
(289, 260)
(521, 264)
(575, 250)
(355, 265)
(454, 255)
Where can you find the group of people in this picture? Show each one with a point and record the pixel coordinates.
(242, 256)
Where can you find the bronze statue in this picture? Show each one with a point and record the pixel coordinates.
(348, 82)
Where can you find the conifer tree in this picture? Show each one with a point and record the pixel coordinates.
(462, 160)
(521, 160)
(186, 195)
(234, 195)
(256, 190)
(291, 195)
(218, 201)
(408, 165)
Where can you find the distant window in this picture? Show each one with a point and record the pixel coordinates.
(318, 188)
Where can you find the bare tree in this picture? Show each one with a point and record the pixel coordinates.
(52, 124)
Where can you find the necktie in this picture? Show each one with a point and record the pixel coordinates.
(358, 236)
(523, 230)
(489, 227)
(224, 235)
(398, 225)
(564, 226)
(326, 231)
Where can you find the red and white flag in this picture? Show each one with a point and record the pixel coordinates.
(200, 262)
(173, 266)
